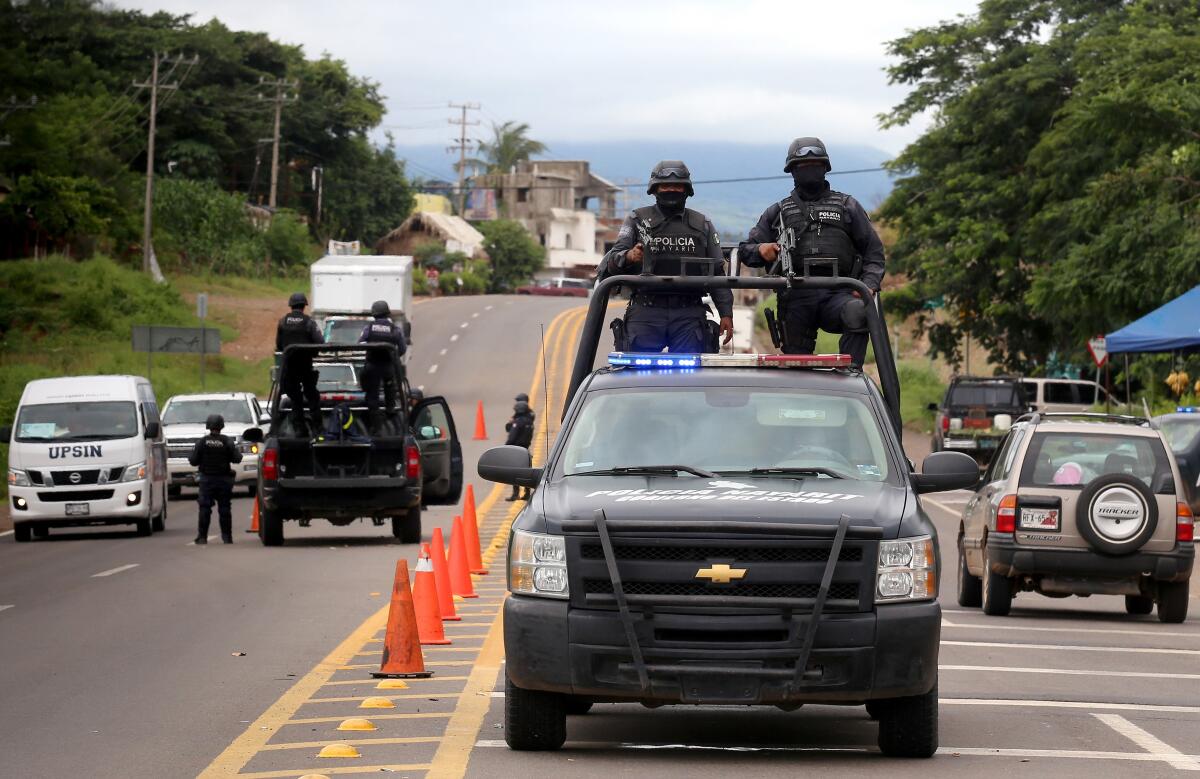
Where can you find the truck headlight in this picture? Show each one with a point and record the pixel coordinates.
(537, 565)
(18, 478)
(907, 570)
(135, 472)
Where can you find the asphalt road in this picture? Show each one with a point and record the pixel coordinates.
(133, 674)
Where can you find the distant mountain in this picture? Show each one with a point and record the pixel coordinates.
(733, 206)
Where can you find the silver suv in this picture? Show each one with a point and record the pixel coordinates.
(1079, 504)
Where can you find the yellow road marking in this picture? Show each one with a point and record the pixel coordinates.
(418, 715)
(403, 697)
(341, 770)
(372, 682)
(356, 742)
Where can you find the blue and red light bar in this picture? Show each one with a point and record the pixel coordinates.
(650, 360)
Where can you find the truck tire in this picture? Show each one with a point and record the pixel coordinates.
(997, 590)
(41, 531)
(144, 526)
(533, 720)
(22, 532)
(970, 587)
(253, 491)
(908, 727)
(1172, 601)
(159, 523)
(875, 709)
(174, 491)
(270, 526)
(1139, 604)
(407, 528)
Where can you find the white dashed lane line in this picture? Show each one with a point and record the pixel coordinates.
(6, 533)
(487, 308)
(433, 368)
(475, 315)
(1151, 744)
(465, 324)
(116, 570)
(443, 353)
(1068, 672)
(454, 338)
(1074, 648)
(7, 607)
(1071, 628)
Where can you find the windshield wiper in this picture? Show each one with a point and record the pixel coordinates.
(636, 470)
(95, 437)
(808, 471)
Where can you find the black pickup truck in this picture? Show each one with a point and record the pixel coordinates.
(416, 460)
(725, 529)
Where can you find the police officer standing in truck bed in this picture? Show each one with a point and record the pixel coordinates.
(299, 378)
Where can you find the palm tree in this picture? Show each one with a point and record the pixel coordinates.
(509, 145)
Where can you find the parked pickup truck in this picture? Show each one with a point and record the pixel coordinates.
(578, 288)
(416, 460)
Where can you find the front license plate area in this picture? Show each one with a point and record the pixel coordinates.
(708, 688)
(78, 509)
(1040, 519)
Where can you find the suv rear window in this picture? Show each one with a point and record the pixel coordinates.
(1002, 395)
(1076, 458)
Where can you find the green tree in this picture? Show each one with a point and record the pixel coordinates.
(510, 144)
(515, 255)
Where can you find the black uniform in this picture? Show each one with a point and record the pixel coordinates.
(520, 433)
(676, 321)
(213, 455)
(380, 370)
(832, 225)
(299, 378)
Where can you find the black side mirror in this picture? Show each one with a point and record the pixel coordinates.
(944, 471)
(153, 429)
(509, 465)
(5, 433)
(932, 407)
(264, 419)
(252, 434)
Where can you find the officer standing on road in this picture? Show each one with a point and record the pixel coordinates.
(677, 235)
(829, 225)
(380, 369)
(520, 433)
(300, 380)
(213, 455)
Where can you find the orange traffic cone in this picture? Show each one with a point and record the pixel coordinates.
(460, 570)
(471, 526)
(425, 602)
(401, 645)
(480, 428)
(441, 575)
(254, 517)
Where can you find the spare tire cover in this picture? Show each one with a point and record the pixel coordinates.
(1116, 514)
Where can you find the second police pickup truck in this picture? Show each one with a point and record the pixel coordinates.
(725, 529)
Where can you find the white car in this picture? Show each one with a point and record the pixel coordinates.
(183, 420)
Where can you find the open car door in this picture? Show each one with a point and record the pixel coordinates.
(441, 452)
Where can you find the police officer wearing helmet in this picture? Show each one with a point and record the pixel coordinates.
(682, 242)
(380, 369)
(212, 456)
(827, 224)
(299, 378)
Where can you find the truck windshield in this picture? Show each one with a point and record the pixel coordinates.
(727, 430)
(195, 412)
(93, 421)
(344, 331)
(335, 376)
(1181, 433)
(1074, 459)
(991, 395)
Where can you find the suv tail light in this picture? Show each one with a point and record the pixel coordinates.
(270, 464)
(1184, 523)
(945, 423)
(1006, 515)
(412, 461)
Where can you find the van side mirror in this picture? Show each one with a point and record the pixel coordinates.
(944, 471)
(5, 433)
(253, 434)
(153, 429)
(509, 465)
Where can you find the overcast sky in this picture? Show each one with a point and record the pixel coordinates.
(758, 71)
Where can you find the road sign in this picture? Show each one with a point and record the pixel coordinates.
(1099, 350)
(202, 305)
(186, 340)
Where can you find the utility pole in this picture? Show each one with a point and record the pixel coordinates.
(460, 144)
(281, 96)
(154, 86)
(12, 106)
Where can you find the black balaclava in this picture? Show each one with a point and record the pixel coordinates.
(670, 202)
(810, 181)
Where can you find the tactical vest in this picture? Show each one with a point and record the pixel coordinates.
(214, 456)
(294, 328)
(674, 240)
(822, 230)
(381, 331)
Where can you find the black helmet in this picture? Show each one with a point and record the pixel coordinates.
(804, 150)
(380, 308)
(670, 172)
(521, 407)
(522, 397)
(214, 422)
(297, 300)
(415, 395)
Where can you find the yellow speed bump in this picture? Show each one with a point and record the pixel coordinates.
(357, 723)
(339, 750)
(376, 703)
(392, 684)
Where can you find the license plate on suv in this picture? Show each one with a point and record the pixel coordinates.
(78, 509)
(1039, 519)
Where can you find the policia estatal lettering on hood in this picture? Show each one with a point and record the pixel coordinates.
(826, 224)
(681, 242)
(212, 456)
(299, 378)
(380, 370)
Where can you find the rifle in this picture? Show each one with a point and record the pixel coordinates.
(775, 328)
(787, 244)
(644, 239)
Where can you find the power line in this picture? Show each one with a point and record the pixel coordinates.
(630, 184)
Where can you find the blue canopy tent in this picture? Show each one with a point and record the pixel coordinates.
(1172, 327)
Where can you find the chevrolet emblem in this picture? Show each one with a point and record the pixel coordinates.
(720, 573)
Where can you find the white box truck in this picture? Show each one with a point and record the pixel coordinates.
(345, 286)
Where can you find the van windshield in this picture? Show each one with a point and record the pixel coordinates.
(195, 412)
(727, 431)
(91, 421)
(344, 331)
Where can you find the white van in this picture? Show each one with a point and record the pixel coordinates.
(86, 450)
(1062, 394)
